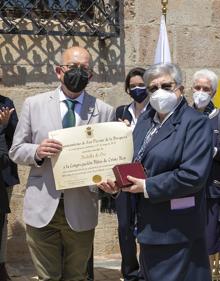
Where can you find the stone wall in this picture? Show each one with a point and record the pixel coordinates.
(27, 67)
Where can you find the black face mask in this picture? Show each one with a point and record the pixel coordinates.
(76, 79)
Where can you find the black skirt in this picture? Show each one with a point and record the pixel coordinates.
(176, 262)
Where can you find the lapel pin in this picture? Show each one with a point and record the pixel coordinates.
(91, 109)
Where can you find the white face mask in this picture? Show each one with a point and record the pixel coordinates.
(201, 99)
(163, 101)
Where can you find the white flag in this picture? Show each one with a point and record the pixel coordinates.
(162, 54)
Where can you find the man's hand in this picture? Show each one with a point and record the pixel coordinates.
(48, 148)
(137, 186)
(5, 114)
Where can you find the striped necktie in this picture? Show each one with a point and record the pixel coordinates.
(69, 119)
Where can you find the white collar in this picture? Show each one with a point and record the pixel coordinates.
(131, 109)
(63, 97)
(214, 112)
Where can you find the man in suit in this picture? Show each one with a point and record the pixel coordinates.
(60, 225)
(125, 204)
(9, 120)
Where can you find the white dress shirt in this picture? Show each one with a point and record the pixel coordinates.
(131, 109)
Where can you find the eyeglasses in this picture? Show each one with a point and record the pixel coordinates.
(202, 88)
(131, 86)
(168, 86)
(74, 66)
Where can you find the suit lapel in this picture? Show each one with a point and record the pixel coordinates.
(54, 109)
(140, 132)
(162, 134)
(88, 109)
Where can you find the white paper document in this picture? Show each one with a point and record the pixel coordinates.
(90, 152)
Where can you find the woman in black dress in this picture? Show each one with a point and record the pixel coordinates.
(125, 209)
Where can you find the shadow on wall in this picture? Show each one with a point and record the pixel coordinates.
(30, 59)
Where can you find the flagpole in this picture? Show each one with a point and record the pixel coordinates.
(164, 13)
(164, 8)
(162, 52)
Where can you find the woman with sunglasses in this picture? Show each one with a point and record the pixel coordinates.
(136, 89)
(174, 144)
(204, 88)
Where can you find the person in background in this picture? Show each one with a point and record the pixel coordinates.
(8, 119)
(4, 161)
(173, 142)
(60, 226)
(204, 86)
(125, 206)
(122, 205)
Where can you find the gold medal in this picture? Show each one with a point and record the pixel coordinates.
(96, 178)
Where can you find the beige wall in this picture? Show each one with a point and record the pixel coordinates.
(27, 67)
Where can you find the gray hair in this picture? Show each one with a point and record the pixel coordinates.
(207, 74)
(160, 69)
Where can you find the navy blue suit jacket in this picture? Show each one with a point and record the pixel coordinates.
(213, 185)
(123, 113)
(177, 161)
(10, 173)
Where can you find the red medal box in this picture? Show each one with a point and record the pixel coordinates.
(121, 172)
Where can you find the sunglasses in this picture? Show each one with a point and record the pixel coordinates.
(75, 66)
(204, 89)
(165, 86)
